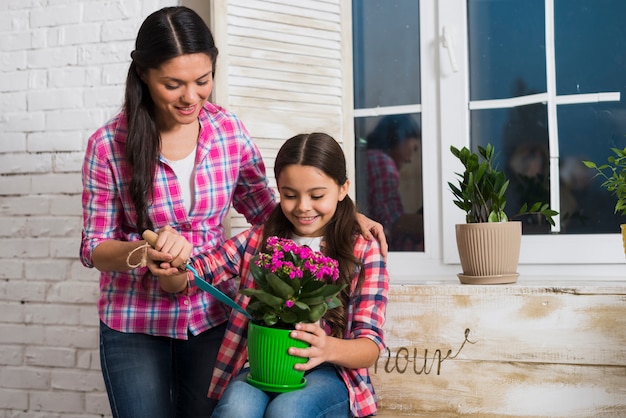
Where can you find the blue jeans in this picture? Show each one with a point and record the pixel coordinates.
(325, 395)
(158, 377)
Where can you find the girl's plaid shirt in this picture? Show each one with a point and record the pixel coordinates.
(366, 313)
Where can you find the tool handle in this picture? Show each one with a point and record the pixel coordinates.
(150, 237)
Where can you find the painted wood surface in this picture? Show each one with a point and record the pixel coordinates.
(523, 350)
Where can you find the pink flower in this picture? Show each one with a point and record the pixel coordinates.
(286, 290)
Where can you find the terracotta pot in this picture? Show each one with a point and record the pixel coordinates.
(489, 251)
(623, 226)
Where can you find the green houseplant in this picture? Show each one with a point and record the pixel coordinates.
(613, 173)
(488, 242)
(293, 284)
(481, 190)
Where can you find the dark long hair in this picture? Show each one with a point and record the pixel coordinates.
(321, 151)
(165, 34)
(393, 130)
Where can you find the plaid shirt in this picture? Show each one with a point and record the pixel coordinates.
(228, 168)
(365, 313)
(383, 182)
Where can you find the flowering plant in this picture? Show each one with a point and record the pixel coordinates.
(294, 284)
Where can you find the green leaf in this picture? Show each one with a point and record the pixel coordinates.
(295, 284)
(301, 305)
(280, 288)
(270, 319)
(334, 303)
(259, 275)
(264, 297)
(614, 175)
(289, 317)
(317, 312)
(311, 286)
(315, 300)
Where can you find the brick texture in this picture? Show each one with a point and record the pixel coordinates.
(62, 69)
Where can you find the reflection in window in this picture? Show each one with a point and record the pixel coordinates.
(387, 97)
(551, 106)
(520, 137)
(390, 148)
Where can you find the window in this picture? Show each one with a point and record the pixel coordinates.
(542, 80)
(387, 99)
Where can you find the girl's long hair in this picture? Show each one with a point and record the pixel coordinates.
(165, 34)
(321, 151)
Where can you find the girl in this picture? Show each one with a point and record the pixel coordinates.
(314, 210)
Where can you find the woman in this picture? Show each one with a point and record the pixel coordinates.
(169, 157)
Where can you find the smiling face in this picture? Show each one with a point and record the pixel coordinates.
(179, 88)
(308, 198)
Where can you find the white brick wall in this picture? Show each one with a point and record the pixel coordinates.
(62, 68)
(63, 64)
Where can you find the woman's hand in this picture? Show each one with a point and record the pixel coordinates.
(171, 250)
(167, 258)
(372, 229)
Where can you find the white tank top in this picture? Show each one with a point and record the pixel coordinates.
(184, 172)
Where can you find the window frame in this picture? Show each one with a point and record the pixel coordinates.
(445, 112)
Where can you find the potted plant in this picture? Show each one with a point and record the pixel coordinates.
(293, 284)
(488, 242)
(614, 175)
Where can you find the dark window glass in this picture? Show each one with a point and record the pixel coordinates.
(507, 59)
(520, 137)
(588, 132)
(386, 60)
(506, 48)
(590, 38)
(386, 53)
(389, 186)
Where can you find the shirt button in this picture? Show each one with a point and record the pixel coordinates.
(186, 302)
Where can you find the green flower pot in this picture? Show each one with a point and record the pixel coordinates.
(271, 367)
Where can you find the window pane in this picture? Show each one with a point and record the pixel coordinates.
(389, 177)
(520, 138)
(386, 53)
(506, 48)
(590, 37)
(588, 132)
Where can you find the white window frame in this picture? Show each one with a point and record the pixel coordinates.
(445, 117)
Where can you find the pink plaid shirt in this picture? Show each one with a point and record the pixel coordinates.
(366, 312)
(383, 182)
(228, 169)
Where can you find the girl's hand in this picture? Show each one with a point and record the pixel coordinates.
(320, 348)
(352, 353)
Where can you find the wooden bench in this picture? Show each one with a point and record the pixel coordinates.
(521, 350)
